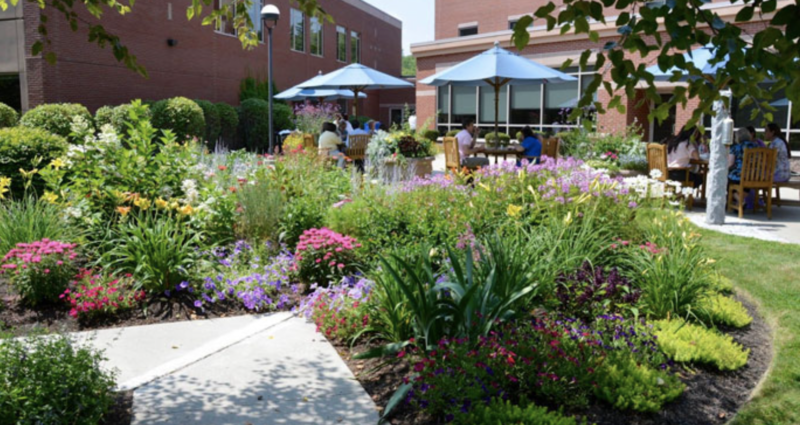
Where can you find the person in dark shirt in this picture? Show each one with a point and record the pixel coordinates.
(530, 145)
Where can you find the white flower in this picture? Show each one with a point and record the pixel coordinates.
(687, 191)
(673, 183)
(656, 173)
(73, 212)
(189, 188)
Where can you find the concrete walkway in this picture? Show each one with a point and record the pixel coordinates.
(269, 369)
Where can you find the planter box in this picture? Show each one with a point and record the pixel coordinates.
(412, 167)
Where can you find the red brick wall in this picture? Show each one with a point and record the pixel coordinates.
(203, 65)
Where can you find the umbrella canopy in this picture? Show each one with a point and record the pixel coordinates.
(298, 93)
(701, 58)
(355, 77)
(780, 102)
(495, 68)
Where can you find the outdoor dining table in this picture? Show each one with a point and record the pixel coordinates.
(498, 151)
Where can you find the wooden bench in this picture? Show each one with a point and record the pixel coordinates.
(793, 183)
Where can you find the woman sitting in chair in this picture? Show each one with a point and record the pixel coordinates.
(681, 151)
(783, 167)
(330, 143)
(530, 146)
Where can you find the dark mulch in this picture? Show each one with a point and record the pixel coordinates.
(711, 397)
(121, 412)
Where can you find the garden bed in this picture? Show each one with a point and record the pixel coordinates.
(711, 397)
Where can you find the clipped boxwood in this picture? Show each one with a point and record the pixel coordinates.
(452, 133)
(55, 117)
(19, 146)
(432, 135)
(213, 125)
(8, 116)
(254, 124)
(46, 380)
(117, 117)
(182, 116)
(229, 123)
(504, 138)
(282, 117)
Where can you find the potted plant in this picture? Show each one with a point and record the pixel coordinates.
(400, 154)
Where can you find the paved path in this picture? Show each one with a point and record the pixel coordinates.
(784, 226)
(269, 369)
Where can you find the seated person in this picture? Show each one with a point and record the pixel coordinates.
(330, 143)
(342, 131)
(783, 166)
(681, 149)
(358, 130)
(466, 146)
(755, 139)
(736, 161)
(530, 145)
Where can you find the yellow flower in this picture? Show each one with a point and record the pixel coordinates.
(57, 164)
(186, 210)
(50, 197)
(5, 182)
(28, 174)
(161, 203)
(174, 206)
(513, 210)
(568, 218)
(124, 210)
(142, 203)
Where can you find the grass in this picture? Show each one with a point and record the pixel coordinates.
(770, 273)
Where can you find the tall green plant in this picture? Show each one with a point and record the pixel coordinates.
(262, 206)
(29, 220)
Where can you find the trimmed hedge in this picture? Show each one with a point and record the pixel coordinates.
(19, 146)
(229, 123)
(452, 133)
(432, 135)
(504, 138)
(213, 125)
(118, 117)
(254, 125)
(55, 117)
(182, 116)
(8, 116)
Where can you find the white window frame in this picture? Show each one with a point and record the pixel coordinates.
(340, 30)
(321, 34)
(292, 14)
(355, 36)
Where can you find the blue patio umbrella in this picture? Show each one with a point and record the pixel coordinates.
(780, 102)
(355, 77)
(701, 58)
(495, 68)
(297, 94)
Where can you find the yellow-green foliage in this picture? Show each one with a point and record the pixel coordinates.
(722, 310)
(506, 413)
(631, 386)
(722, 284)
(688, 343)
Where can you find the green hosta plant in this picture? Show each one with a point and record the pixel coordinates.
(688, 343)
(629, 385)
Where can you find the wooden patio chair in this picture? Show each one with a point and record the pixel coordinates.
(358, 147)
(309, 142)
(758, 173)
(550, 147)
(657, 160)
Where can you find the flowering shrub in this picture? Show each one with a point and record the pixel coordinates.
(310, 118)
(324, 256)
(95, 293)
(590, 292)
(340, 311)
(397, 145)
(555, 360)
(40, 270)
(244, 276)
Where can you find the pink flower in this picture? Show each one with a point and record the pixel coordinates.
(340, 266)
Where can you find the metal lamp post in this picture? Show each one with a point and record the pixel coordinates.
(269, 16)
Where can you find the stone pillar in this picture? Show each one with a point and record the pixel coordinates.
(721, 136)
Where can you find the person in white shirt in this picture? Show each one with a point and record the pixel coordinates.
(330, 143)
(466, 146)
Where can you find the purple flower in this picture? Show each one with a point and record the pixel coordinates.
(198, 304)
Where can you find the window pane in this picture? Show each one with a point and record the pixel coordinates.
(255, 18)
(355, 47)
(463, 103)
(487, 104)
(225, 26)
(443, 104)
(559, 99)
(795, 123)
(316, 36)
(298, 31)
(464, 32)
(10, 93)
(526, 103)
(586, 79)
(341, 44)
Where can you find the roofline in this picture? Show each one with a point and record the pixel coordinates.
(539, 34)
(374, 11)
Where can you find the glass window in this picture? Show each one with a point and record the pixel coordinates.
(464, 32)
(443, 104)
(526, 103)
(355, 47)
(255, 18)
(298, 30)
(10, 92)
(559, 99)
(315, 44)
(225, 26)
(487, 105)
(513, 23)
(341, 44)
(464, 99)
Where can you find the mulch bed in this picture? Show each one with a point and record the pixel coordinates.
(711, 397)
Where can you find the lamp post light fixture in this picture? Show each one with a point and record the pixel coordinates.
(269, 16)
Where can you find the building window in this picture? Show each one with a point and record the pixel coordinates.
(224, 26)
(526, 103)
(341, 44)
(467, 31)
(10, 91)
(297, 26)
(355, 47)
(513, 23)
(227, 27)
(487, 105)
(443, 105)
(464, 104)
(316, 37)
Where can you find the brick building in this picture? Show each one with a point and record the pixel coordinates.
(466, 28)
(184, 58)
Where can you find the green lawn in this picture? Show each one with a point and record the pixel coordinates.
(770, 273)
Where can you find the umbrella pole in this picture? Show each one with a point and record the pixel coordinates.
(497, 112)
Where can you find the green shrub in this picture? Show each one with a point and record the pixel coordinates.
(213, 122)
(253, 124)
(229, 123)
(159, 251)
(29, 220)
(722, 310)
(688, 343)
(282, 117)
(8, 116)
(52, 380)
(631, 386)
(262, 208)
(20, 147)
(432, 135)
(256, 88)
(181, 115)
(41, 270)
(500, 412)
(117, 117)
(55, 118)
(720, 283)
(504, 138)
(452, 133)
